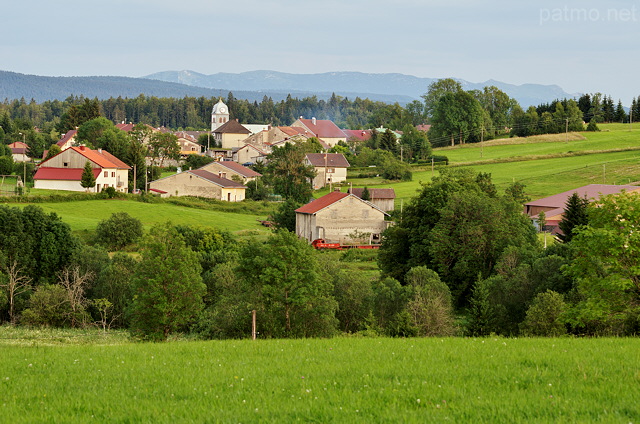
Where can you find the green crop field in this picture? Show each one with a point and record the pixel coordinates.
(85, 215)
(493, 380)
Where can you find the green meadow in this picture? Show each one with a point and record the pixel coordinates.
(85, 215)
(492, 380)
(545, 164)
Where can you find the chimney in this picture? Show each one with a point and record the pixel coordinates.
(100, 151)
(313, 120)
(82, 147)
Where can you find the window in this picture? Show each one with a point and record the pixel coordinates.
(65, 164)
(331, 170)
(106, 185)
(106, 173)
(113, 174)
(365, 213)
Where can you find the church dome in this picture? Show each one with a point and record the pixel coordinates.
(220, 108)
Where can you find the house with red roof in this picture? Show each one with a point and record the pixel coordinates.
(323, 129)
(64, 170)
(248, 154)
(199, 183)
(228, 169)
(67, 140)
(331, 168)
(553, 206)
(19, 151)
(358, 136)
(337, 217)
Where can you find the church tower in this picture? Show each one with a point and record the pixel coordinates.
(219, 115)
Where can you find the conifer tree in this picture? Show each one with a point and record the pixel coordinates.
(88, 180)
(575, 214)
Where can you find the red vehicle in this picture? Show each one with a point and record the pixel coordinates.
(321, 244)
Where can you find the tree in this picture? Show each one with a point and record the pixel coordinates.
(6, 165)
(167, 285)
(430, 307)
(292, 297)
(575, 215)
(120, 230)
(288, 174)
(75, 282)
(54, 149)
(456, 116)
(16, 284)
(606, 260)
(545, 316)
(436, 90)
(90, 131)
(365, 194)
(88, 179)
(285, 216)
(163, 146)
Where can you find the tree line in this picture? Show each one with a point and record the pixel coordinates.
(461, 260)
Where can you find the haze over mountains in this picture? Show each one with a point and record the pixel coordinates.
(254, 85)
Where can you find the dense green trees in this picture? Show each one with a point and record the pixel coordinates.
(119, 230)
(167, 285)
(288, 174)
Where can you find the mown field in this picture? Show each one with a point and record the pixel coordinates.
(85, 215)
(493, 380)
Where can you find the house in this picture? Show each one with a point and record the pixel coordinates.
(337, 217)
(553, 206)
(199, 183)
(384, 198)
(19, 151)
(357, 136)
(188, 144)
(329, 167)
(231, 134)
(229, 169)
(67, 140)
(264, 139)
(323, 129)
(248, 154)
(64, 170)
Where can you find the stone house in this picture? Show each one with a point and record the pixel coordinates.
(384, 198)
(329, 167)
(228, 169)
(231, 134)
(336, 216)
(199, 183)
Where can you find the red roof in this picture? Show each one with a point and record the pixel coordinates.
(102, 158)
(125, 127)
(591, 191)
(318, 204)
(68, 136)
(424, 128)
(18, 145)
(361, 135)
(62, 174)
(323, 128)
(232, 127)
(336, 160)
(291, 131)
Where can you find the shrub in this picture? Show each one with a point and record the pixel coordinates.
(118, 231)
(544, 316)
(48, 306)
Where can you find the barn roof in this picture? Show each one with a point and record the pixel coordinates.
(336, 160)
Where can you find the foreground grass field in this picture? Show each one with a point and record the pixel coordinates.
(491, 380)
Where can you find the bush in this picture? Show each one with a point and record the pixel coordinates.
(544, 317)
(118, 231)
(48, 306)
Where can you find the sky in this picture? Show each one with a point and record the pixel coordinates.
(583, 46)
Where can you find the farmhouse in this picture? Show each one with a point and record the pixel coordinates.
(19, 151)
(248, 154)
(553, 206)
(337, 216)
(323, 129)
(64, 170)
(329, 167)
(229, 169)
(67, 140)
(199, 183)
(384, 198)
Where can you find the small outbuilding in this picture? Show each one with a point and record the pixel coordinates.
(200, 183)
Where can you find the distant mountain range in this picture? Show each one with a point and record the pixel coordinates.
(253, 86)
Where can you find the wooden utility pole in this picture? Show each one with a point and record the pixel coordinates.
(566, 131)
(253, 325)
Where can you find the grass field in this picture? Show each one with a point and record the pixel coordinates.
(491, 380)
(545, 164)
(85, 215)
